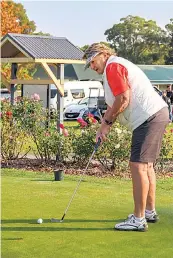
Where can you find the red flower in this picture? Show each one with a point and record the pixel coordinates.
(171, 131)
(80, 120)
(94, 121)
(83, 124)
(61, 126)
(90, 115)
(9, 114)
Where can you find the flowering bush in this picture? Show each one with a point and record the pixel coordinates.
(28, 118)
(166, 154)
(36, 123)
(12, 136)
(114, 153)
(29, 114)
(50, 144)
(83, 141)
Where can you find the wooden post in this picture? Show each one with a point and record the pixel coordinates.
(60, 104)
(48, 105)
(13, 76)
(22, 90)
(60, 99)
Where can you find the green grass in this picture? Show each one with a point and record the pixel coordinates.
(71, 124)
(87, 230)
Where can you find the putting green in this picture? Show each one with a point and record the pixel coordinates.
(87, 230)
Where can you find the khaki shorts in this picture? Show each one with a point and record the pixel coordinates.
(147, 138)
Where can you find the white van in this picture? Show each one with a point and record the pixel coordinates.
(74, 91)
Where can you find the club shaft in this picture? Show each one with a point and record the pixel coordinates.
(78, 184)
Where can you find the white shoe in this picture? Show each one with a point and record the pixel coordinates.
(131, 224)
(151, 217)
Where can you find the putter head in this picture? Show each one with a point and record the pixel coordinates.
(56, 220)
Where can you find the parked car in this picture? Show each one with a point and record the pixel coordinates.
(74, 91)
(96, 110)
(5, 94)
(85, 106)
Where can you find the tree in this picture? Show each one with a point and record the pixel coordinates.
(86, 46)
(169, 57)
(41, 33)
(14, 19)
(139, 40)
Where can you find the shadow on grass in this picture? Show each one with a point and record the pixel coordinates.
(53, 229)
(47, 228)
(34, 221)
(13, 238)
(44, 180)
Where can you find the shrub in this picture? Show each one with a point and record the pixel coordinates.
(12, 135)
(166, 153)
(83, 141)
(26, 118)
(114, 153)
(50, 144)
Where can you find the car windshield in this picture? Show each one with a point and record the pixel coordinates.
(83, 101)
(77, 93)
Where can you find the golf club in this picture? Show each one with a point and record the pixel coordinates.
(95, 149)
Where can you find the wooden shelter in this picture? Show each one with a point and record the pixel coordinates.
(48, 51)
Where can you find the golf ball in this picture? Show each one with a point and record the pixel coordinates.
(39, 221)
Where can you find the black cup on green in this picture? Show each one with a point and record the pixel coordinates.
(59, 174)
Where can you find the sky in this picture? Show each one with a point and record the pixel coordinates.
(85, 22)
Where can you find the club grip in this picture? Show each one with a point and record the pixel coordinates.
(97, 144)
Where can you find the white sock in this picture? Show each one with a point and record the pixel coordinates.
(138, 219)
(150, 211)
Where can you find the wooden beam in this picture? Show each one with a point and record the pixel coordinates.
(31, 82)
(59, 61)
(53, 77)
(32, 60)
(20, 54)
(17, 60)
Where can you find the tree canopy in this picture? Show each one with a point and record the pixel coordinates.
(169, 57)
(141, 41)
(14, 19)
(138, 40)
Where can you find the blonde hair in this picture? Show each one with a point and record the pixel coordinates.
(98, 47)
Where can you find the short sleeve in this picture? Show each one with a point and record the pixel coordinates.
(117, 78)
